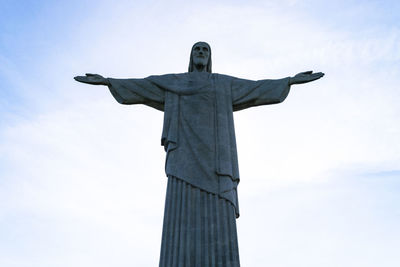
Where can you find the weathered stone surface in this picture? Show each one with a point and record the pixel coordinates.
(201, 163)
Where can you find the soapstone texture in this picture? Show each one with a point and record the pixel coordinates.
(201, 164)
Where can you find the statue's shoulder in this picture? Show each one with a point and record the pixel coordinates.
(223, 77)
(171, 77)
(187, 76)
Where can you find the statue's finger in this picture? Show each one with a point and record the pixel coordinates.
(80, 78)
(91, 74)
(317, 76)
(307, 72)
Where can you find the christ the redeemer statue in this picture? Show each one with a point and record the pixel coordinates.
(198, 136)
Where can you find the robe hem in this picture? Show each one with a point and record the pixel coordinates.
(217, 194)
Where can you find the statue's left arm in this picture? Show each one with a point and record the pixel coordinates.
(247, 93)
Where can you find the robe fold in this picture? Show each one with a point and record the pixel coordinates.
(198, 131)
(198, 136)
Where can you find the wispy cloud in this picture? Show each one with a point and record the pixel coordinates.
(82, 177)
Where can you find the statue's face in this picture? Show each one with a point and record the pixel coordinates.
(200, 54)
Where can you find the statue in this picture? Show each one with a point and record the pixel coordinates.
(198, 136)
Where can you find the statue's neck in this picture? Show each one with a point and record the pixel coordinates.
(200, 68)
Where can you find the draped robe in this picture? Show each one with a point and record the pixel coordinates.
(198, 132)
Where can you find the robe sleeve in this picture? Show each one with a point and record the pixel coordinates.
(247, 93)
(137, 91)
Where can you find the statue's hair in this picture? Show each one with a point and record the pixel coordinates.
(191, 64)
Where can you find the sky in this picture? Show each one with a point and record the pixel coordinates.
(82, 179)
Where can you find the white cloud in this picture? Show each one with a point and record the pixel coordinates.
(83, 177)
(347, 221)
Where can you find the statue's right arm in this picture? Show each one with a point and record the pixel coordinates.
(94, 79)
(129, 91)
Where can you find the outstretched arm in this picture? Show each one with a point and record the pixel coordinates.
(129, 91)
(246, 93)
(94, 79)
(305, 77)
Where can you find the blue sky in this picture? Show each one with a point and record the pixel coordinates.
(81, 177)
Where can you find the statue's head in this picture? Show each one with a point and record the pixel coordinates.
(200, 55)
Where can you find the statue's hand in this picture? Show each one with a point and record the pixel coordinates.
(305, 77)
(95, 79)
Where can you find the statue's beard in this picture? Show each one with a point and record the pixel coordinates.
(200, 61)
